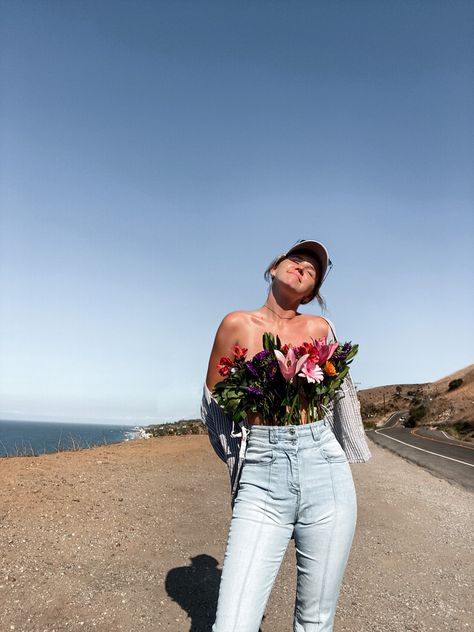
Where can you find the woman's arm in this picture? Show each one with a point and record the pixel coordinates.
(219, 425)
(227, 336)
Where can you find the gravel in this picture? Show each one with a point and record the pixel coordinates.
(130, 537)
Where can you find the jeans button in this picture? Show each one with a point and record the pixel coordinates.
(292, 431)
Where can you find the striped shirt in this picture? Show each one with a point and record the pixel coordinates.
(343, 416)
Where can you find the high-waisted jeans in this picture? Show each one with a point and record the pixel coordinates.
(295, 480)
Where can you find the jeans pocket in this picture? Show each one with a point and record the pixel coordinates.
(332, 451)
(256, 455)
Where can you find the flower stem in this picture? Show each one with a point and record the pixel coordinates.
(292, 407)
(318, 406)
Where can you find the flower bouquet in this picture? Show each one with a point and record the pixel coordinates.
(280, 382)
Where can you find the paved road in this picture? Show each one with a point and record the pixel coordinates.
(444, 456)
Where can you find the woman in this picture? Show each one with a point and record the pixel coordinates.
(294, 481)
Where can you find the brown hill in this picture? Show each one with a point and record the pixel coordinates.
(437, 405)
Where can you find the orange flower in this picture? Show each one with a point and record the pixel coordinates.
(239, 352)
(329, 368)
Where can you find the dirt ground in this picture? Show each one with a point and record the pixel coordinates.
(131, 537)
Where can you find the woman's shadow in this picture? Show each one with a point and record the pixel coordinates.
(196, 588)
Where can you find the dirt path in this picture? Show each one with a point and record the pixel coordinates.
(130, 537)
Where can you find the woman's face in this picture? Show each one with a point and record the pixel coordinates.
(300, 271)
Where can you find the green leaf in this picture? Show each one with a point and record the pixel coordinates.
(352, 353)
(268, 341)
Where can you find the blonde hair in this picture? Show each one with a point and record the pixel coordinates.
(267, 275)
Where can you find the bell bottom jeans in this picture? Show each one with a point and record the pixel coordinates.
(295, 481)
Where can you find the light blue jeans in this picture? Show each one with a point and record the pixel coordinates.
(295, 480)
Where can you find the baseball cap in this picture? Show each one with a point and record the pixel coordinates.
(317, 250)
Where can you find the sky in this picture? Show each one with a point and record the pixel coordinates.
(155, 156)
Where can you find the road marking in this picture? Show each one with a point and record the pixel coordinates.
(423, 450)
(414, 433)
(448, 436)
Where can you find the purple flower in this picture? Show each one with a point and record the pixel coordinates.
(255, 390)
(261, 355)
(343, 353)
(250, 367)
(271, 369)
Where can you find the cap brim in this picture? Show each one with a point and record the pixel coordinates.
(316, 249)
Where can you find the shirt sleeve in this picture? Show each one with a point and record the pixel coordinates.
(345, 418)
(215, 419)
(226, 446)
(347, 425)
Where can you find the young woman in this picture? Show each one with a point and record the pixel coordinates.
(292, 481)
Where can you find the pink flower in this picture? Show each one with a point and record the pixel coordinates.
(311, 371)
(324, 350)
(289, 366)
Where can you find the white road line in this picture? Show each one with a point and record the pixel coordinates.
(451, 438)
(448, 436)
(423, 450)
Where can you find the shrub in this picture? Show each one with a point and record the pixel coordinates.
(455, 384)
(369, 425)
(417, 412)
(398, 392)
(463, 429)
(368, 410)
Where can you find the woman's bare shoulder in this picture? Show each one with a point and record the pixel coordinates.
(235, 318)
(236, 323)
(318, 325)
(233, 322)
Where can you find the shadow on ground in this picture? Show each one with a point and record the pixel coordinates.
(196, 588)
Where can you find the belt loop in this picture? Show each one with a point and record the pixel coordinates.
(273, 435)
(315, 431)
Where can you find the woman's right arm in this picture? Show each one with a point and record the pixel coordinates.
(227, 336)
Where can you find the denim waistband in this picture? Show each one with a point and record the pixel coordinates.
(274, 434)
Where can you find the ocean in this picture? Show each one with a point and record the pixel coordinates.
(40, 437)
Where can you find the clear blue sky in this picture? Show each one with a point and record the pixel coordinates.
(155, 156)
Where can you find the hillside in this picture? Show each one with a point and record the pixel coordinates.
(429, 403)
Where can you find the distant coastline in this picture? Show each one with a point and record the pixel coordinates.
(176, 428)
(33, 438)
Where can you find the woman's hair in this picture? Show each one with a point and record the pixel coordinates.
(316, 294)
